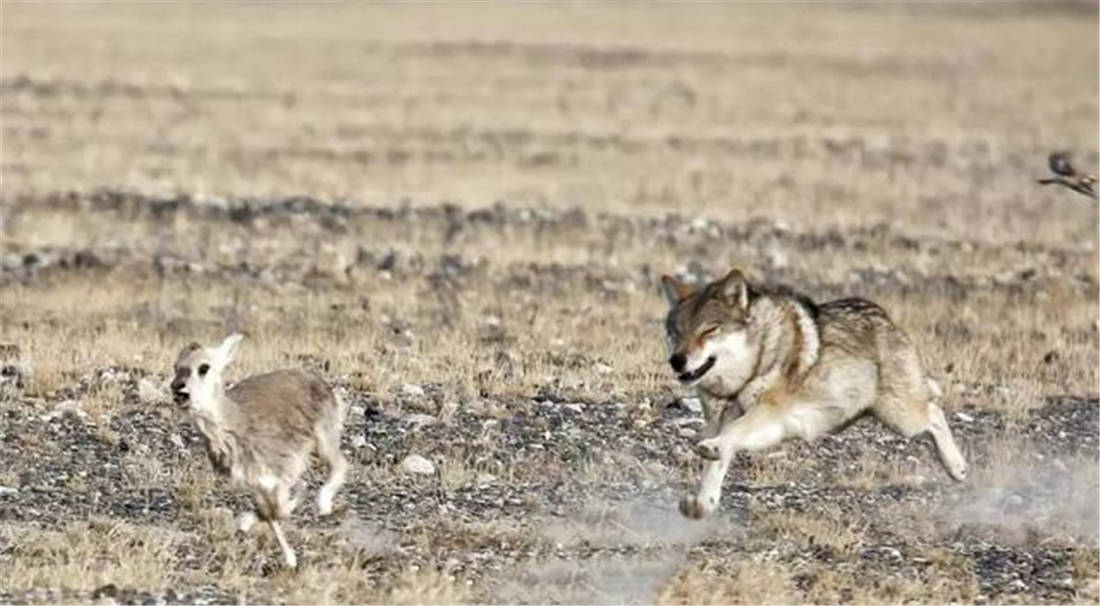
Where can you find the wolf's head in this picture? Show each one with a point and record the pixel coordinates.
(198, 372)
(708, 330)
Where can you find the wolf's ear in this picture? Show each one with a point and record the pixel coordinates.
(228, 349)
(735, 288)
(674, 290)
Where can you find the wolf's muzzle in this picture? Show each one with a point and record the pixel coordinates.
(695, 375)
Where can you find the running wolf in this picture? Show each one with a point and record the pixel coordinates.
(769, 364)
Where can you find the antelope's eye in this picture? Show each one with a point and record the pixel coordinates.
(203, 369)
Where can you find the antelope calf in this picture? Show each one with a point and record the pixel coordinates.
(261, 432)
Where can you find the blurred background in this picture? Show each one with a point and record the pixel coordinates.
(935, 115)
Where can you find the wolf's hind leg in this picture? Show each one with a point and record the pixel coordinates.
(950, 456)
(912, 417)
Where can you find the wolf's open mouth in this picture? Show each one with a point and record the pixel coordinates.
(688, 377)
(180, 397)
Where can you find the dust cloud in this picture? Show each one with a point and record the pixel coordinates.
(1049, 498)
(658, 533)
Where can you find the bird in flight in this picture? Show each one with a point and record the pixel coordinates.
(1067, 176)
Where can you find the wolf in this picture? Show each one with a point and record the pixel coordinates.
(261, 431)
(770, 364)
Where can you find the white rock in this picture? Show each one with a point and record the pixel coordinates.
(419, 419)
(177, 441)
(358, 442)
(965, 418)
(692, 404)
(8, 490)
(491, 321)
(417, 464)
(412, 391)
(891, 553)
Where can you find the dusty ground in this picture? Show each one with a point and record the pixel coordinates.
(458, 215)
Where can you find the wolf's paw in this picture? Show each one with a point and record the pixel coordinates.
(696, 508)
(957, 471)
(708, 449)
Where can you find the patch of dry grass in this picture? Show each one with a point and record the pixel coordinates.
(749, 581)
(87, 554)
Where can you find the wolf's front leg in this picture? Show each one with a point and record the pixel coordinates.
(759, 428)
(702, 504)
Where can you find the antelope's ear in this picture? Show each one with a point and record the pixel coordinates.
(228, 349)
(735, 288)
(674, 290)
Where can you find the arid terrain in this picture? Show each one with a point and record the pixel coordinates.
(458, 215)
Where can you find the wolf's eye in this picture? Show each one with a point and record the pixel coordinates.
(203, 369)
(709, 332)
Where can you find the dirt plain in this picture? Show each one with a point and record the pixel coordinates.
(458, 214)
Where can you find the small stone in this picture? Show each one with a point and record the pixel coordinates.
(693, 404)
(109, 590)
(417, 464)
(358, 442)
(965, 418)
(484, 479)
(687, 432)
(1017, 586)
(410, 390)
(177, 441)
(6, 490)
(419, 419)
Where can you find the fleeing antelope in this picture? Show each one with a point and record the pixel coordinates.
(261, 431)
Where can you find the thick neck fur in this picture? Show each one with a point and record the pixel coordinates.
(789, 341)
(785, 339)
